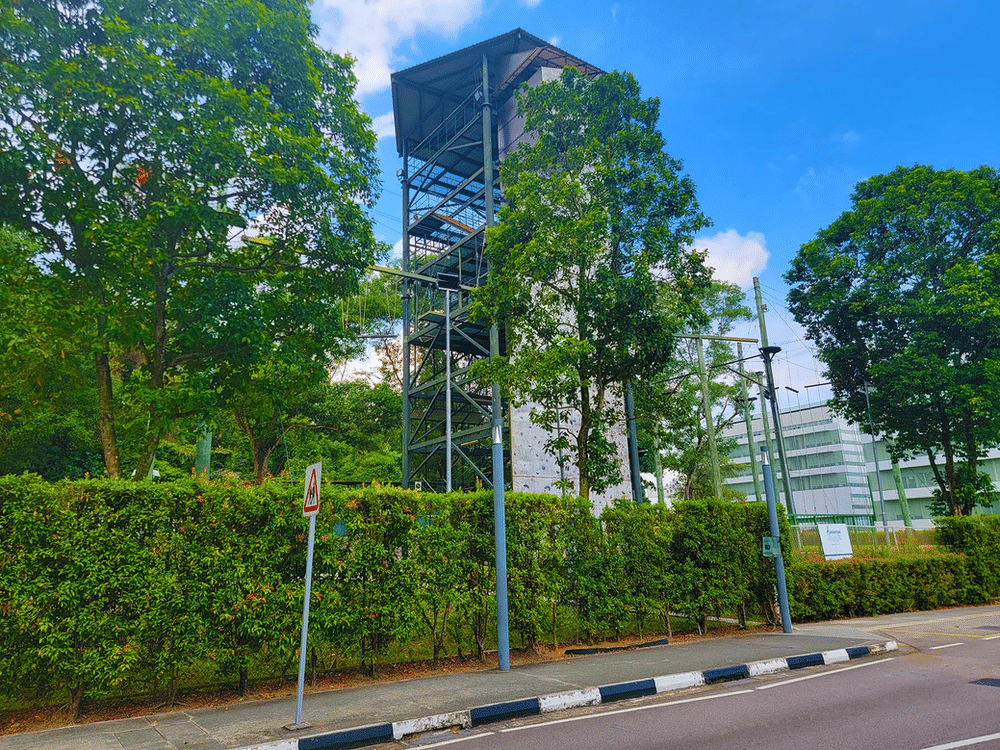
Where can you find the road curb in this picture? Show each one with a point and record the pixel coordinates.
(373, 734)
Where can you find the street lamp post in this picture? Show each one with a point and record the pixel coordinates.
(769, 352)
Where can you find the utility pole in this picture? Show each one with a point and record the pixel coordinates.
(749, 424)
(706, 403)
(765, 420)
(878, 474)
(638, 497)
(769, 352)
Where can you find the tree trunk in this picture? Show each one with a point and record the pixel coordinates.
(172, 686)
(157, 373)
(583, 441)
(75, 702)
(949, 463)
(106, 412)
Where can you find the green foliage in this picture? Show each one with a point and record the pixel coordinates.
(900, 293)
(144, 146)
(862, 587)
(534, 558)
(978, 538)
(706, 549)
(440, 545)
(597, 218)
(375, 574)
(639, 538)
(676, 396)
(107, 583)
(47, 411)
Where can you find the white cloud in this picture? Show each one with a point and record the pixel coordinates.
(384, 125)
(371, 30)
(531, 3)
(850, 138)
(614, 13)
(735, 258)
(555, 41)
(397, 250)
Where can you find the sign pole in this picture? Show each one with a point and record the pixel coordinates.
(310, 507)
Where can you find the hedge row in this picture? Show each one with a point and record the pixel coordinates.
(965, 571)
(104, 583)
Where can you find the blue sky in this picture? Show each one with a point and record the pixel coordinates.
(776, 108)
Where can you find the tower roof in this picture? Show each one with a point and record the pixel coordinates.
(425, 94)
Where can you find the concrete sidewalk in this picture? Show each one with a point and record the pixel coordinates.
(402, 707)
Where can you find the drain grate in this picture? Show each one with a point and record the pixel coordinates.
(987, 681)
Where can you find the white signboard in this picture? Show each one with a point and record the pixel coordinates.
(835, 540)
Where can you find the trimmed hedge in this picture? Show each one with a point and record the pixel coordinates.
(978, 538)
(965, 571)
(110, 583)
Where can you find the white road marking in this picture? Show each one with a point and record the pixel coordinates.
(947, 645)
(992, 638)
(627, 710)
(965, 743)
(457, 739)
(823, 674)
(909, 624)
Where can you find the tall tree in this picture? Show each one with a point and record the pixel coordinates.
(672, 404)
(145, 145)
(47, 410)
(596, 216)
(900, 297)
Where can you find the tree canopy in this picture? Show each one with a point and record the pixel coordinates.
(597, 217)
(195, 174)
(673, 403)
(901, 293)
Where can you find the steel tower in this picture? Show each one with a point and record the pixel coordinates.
(455, 118)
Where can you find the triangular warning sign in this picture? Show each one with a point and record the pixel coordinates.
(310, 503)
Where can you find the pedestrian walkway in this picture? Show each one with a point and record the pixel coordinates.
(353, 717)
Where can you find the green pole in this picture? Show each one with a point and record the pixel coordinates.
(749, 423)
(203, 452)
(904, 506)
(706, 403)
(659, 469)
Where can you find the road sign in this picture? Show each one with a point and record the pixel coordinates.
(310, 501)
(770, 546)
(310, 507)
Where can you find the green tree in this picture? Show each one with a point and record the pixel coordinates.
(146, 146)
(47, 410)
(597, 216)
(672, 403)
(900, 293)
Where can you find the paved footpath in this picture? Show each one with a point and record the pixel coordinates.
(371, 714)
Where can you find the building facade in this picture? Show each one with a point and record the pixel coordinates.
(832, 469)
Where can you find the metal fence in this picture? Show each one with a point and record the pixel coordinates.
(864, 538)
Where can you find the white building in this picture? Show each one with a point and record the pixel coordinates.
(832, 470)
(826, 463)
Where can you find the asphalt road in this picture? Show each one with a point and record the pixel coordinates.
(946, 695)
